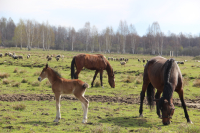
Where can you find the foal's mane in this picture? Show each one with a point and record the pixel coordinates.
(168, 89)
(58, 74)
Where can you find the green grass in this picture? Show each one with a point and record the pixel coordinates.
(20, 77)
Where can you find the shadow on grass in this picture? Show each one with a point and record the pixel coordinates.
(37, 123)
(127, 121)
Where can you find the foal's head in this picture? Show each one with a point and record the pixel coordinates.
(167, 109)
(43, 74)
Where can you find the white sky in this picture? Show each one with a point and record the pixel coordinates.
(172, 15)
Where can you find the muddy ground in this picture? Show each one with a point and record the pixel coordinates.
(97, 98)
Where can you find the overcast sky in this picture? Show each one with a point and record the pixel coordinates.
(172, 15)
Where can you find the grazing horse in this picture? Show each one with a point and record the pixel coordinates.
(93, 62)
(64, 86)
(166, 77)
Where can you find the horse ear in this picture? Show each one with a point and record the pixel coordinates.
(46, 66)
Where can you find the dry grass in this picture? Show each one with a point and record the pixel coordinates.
(16, 70)
(128, 79)
(19, 106)
(97, 84)
(4, 75)
(6, 81)
(16, 84)
(24, 81)
(22, 71)
(196, 83)
(35, 83)
(36, 74)
(48, 84)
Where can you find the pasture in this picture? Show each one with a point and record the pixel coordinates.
(27, 105)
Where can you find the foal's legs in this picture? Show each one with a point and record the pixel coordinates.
(95, 75)
(85, 104)
(142, 95)
(58, 115)
(180, 93)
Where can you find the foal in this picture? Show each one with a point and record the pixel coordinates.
(64, 86)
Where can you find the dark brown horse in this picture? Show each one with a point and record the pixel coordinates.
(93, 62)
(166, 77)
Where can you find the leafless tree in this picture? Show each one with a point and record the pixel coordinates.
(123, 31)
(133, 33)
(87, 32)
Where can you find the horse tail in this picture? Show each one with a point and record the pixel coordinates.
(72, 68)
(85, 85)
(150, 95)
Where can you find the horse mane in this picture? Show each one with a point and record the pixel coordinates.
(168, 89)
(56, 72)
(109, 69)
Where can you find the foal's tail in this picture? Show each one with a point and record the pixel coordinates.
(150, 95)
(72, 68)
(85, 85)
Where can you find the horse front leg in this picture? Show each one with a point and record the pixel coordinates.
(157, 96)
(58, 115)
(180, 93)
(101, 78)
(95, 75)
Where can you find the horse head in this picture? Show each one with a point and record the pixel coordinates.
(167, 109)
(43, 74)
(111, 79)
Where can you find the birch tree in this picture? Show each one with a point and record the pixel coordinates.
(73, 37)
(133, 34)
(123, 31)
(87, 32)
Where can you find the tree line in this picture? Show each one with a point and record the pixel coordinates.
(31, 34)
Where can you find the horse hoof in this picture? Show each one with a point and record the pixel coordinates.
(84, 121)
(141, 115)
(56, 120)
(190, 122)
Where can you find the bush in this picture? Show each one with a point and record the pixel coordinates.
(36, 74)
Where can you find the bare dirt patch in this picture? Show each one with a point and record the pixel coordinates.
(191, 103)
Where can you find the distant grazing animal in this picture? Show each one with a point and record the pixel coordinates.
(1, 55)
(58, 55)
(50, 58)
(6, 54)
(93, 62)
(166, 77)
(121, 59)
(139, 60)
(143, 60)
(47, 56)
(126, 60)
(117, 59)
(64, 86)
(185, 60)
(20, 56)
(123, 63)
(15, 57)
(57, 58)
(28, 56)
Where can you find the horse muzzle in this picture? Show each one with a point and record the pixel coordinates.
(39, 79)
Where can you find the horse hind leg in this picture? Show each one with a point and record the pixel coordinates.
(142, 95)
(95, 75)
(180, 93)
(58, 114)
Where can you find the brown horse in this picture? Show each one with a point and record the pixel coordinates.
(166, 77)
(64, 86)
(93, 62)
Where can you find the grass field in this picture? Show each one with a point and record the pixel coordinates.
(20, 77)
